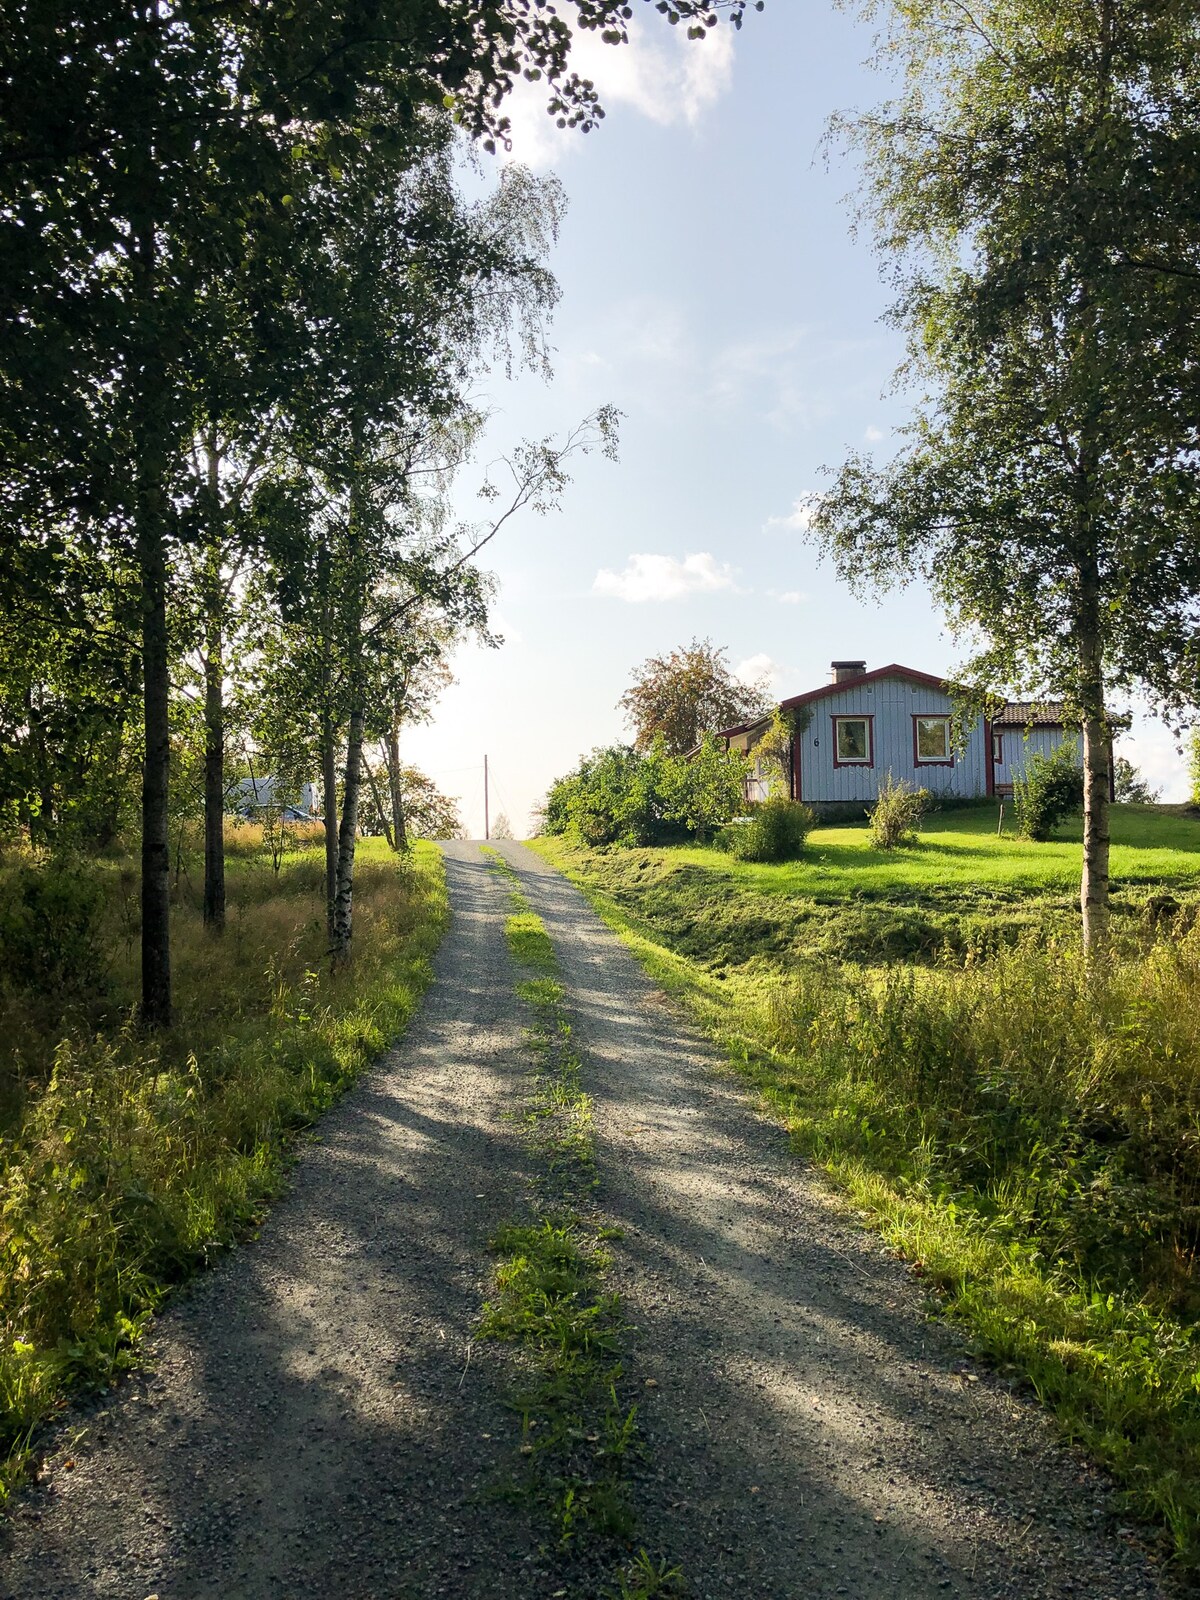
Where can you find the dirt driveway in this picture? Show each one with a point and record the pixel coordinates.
(316, 1420)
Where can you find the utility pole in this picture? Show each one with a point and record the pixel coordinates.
(487, 832)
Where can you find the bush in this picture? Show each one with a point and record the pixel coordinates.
(896, 816)
(50, 936)
(1050, 791)
(704, 790)
(624, 796)
(777, 831)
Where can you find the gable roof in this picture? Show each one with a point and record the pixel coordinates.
(895, 670)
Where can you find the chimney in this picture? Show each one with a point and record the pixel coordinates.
(844, 671)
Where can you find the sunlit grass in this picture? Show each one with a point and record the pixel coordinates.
(962, 848)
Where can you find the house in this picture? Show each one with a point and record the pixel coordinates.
(860, 726)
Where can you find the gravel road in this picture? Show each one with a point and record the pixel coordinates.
(315, 1420)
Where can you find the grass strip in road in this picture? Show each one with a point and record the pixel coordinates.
(550, 1301)
(942, 1104)
(132, 1162)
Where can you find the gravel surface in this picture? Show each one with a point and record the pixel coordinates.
(315, 1421)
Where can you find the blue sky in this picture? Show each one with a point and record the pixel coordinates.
(713, 291)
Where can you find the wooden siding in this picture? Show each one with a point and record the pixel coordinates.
(1018, 746)
(892, 703)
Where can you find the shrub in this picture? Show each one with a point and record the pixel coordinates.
(1129, 787)
(777, 831)
(624, 796)
(50, 932)
(1050, 791)
(896, 816)
(704, 790)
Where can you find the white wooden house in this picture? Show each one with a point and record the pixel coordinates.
(860, 726)
(253, 797)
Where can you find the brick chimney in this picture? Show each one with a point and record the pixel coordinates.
(844, 671)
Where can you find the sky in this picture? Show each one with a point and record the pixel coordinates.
(714, 291)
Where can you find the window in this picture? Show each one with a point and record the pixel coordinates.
(852, 740)
(998, 748)
(931, 736)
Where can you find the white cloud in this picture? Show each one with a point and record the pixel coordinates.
(660, 73)
(800, 517)
(873, 434)
(792, 597)
(756, 668)
(653, 577)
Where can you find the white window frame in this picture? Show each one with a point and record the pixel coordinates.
(868, 726)
(946, 758)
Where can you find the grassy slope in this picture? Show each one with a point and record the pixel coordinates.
(1046, 1268)
(960, 888)
(134, 1162)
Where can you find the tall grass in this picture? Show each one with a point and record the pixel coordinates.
(1030, 1133)
(128, 1163)
(1065, 1103)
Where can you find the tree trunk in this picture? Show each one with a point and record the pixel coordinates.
(214, 710)
(399, 827)
(379, 806)
(156, 847)
(1097, 781)
(40, 821)
(150, 521)
(214, 782)
(329, 807)
(343, 908)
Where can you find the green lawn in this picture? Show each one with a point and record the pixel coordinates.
(960, 848)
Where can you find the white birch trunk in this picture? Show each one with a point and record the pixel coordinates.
(343, 902)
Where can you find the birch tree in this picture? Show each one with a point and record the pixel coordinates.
(1034, 188)
(144, 146)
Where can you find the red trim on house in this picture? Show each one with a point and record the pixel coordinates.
(990, 755)
(854, 716)
(893, 671)
(931, 761)
(797, 789)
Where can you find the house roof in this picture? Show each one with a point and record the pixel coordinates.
(895, 670)
(1030, 714)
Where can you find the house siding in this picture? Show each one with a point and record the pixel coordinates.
(891, 703)
(1019, 745)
